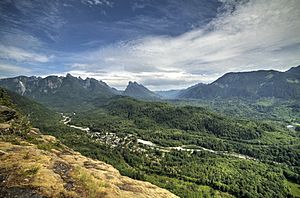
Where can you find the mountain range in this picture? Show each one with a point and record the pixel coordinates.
(250, 85)
(146, 140)
(69, 91)
(58, 92)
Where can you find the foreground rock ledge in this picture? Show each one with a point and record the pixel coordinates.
(30, 170)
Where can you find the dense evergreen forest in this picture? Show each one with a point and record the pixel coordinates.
(116, 126)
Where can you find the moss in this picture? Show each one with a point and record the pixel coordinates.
(92, 185)
(29, 172)
(45, 146)
(26, 156)
(48, 146)
(12, 139)
(29, 167)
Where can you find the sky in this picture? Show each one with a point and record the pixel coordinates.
(162, 44)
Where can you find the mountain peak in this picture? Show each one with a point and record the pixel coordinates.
(69, 75)
(133, 83)
(139, 91)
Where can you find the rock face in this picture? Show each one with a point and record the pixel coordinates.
(250, 85)
(30, 170)
(6, 113)
(138, 91)
(57, 91)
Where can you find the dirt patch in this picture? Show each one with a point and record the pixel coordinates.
(128, 187)
(109, 176)
(89, 165)
(14, 149)
(65, 151)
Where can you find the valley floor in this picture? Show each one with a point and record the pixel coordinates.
(145, 149)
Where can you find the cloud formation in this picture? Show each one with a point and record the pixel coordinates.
(163, 44)
(20, 55)
(252, 35)
(10, 70)
(97, 2)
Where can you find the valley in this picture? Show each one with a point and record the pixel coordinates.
(142, 150)
(216, 147)
(112, 140)
(149, 99)
(37, 165)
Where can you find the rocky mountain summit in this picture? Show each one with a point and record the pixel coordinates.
(59, 91)
(139, 91)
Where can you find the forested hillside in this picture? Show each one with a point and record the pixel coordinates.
(238, 149)
(249, 85)
(191, 151)
(36, 165)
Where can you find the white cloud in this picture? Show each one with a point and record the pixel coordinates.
(9, 69)
(257, 35)
(20, 38)
(161, 80)
(98, 2)
(20, 55)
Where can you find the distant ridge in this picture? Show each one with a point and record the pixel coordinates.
(69, 92)
(251, 85)
(169, 94)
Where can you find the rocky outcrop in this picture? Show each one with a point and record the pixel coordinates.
(49, 169)
(6, 113)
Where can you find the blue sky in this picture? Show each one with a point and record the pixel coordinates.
(163, 44)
